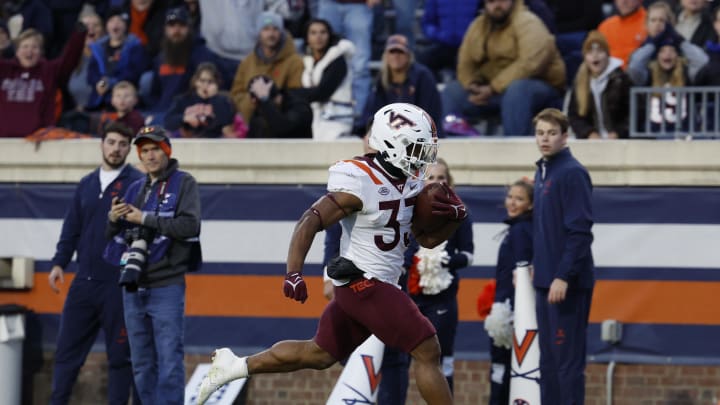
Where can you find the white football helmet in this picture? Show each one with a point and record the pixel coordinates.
(406, 137)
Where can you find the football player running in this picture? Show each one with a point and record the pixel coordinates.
(372, 196)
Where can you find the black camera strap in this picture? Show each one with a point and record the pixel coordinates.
(160, 194)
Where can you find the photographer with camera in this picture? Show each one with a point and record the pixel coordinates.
(94, 300)
(155, 229)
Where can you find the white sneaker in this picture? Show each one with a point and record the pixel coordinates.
(221, 372)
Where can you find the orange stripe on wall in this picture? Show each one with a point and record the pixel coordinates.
(673, 302)
(668, 302)
(40, 298)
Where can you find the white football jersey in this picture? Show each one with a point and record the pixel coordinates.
(375, 238)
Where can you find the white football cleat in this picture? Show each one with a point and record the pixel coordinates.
(221, 372)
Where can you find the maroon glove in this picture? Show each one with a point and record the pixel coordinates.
(451, 206)
(294, 287)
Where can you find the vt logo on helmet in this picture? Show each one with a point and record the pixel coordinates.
(406, 137)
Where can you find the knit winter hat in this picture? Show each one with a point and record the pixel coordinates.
(269, 18)
(156, 135)
(595, 39)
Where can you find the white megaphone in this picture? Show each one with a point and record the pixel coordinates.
(359, 381)
(525, 364)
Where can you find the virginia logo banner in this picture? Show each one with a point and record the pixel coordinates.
(525, 365)
(360, 378)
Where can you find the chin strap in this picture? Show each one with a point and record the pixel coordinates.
(389, 167)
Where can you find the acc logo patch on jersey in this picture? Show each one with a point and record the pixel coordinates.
(383, 191)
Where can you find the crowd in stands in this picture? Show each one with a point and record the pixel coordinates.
(302, 68)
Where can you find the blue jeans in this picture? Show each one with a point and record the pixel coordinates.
(405, 19)
(353, 21)
(517, 104)
(155, 323)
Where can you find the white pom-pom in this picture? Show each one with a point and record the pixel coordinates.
(499, 324)
(434, 278)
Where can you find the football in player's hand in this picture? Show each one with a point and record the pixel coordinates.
(423, 218)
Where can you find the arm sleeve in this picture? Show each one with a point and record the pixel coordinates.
(238, 91)
(112, 229)
(93, 71)
(696, 57)
(174, 116)
(343, 178)
(70, 57)
(465, 65)
(226, 114)
(637, 67)
(413, 248)
(464, 246)
(331, 79)
(521, 242)
(576, 202)
(286, 124)
(70, 233)
(186, 222)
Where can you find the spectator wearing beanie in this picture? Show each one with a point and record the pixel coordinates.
(599, 102)
(274, 56)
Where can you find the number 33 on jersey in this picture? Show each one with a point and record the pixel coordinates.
(375, 238)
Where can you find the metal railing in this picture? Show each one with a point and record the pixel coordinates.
(675, 112)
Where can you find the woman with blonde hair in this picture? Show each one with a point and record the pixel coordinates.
(516, 246)
(665, 60)
(403, 80)
(599, 105)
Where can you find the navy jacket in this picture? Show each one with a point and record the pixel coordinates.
(130, 65)
(83, 229)
(516, 246)
(562, 222)
(170, 81)
(419, 88)
(223, 114)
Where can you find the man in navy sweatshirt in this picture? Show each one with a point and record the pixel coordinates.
(94, 300)
(562, 261)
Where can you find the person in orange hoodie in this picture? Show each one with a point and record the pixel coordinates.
(625, 31)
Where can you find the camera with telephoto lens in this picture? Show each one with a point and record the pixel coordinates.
(137, 257)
